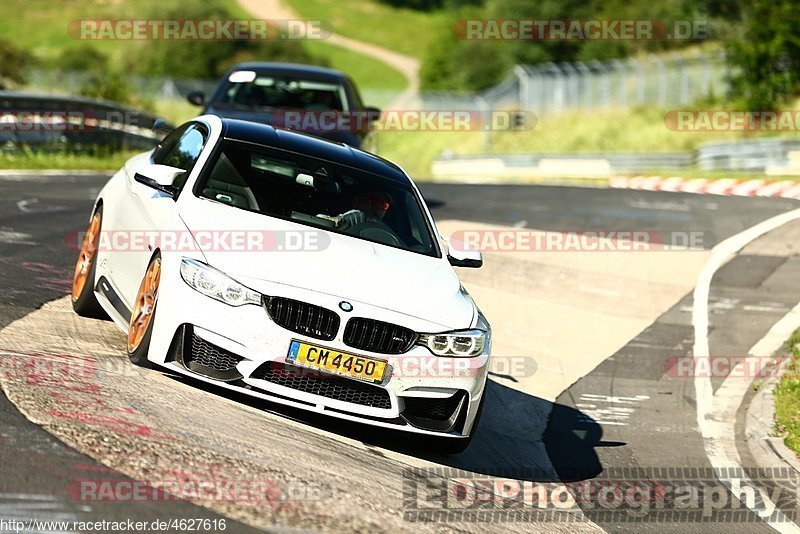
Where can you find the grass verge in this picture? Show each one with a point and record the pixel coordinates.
(405, 31)
(787, 397)
(64, 160)
(369, 74)
(586, 131)
(43, 27)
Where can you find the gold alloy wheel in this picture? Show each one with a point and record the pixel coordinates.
(85, 257)
(145, 305)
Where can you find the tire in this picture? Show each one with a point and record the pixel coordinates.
(459, 445)
(143, 315)
(84, 301)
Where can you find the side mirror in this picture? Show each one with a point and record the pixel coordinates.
(160, 178)
(198, 98)
(373, 113)
(461, 254)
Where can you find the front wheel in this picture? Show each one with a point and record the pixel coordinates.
(84, 301)
(140, 329)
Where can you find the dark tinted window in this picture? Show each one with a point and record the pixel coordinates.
(263, 91)
(182, 150)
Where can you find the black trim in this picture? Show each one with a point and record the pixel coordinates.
(104, 288)
(322, 384)
(432, 413)
(189, 343)
(302, 317)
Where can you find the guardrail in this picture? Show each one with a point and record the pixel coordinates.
(756, 155)
(759, 155)
(47, 122)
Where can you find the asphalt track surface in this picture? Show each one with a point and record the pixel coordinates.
(37, 212)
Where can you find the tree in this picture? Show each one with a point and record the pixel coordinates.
(13, 62)
(209, 59)
(765, 54)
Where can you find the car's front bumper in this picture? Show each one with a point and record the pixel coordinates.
(417, 382)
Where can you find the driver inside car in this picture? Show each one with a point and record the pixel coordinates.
(367, 207)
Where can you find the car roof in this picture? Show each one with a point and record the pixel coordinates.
(301, 143)
(292, 69)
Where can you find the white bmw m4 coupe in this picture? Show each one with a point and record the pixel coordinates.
(293, 269)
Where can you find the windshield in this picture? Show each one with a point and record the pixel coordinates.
(248, 89)
(318, 193)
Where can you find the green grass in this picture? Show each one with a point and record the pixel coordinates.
(34, 160)
(635, 130)
(369, 74)
(41, 27)
(402, 30)
(175, 112)
(787, 397)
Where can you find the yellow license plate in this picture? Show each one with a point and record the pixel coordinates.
(334, 361)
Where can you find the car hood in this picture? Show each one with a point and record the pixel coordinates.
(346, 267)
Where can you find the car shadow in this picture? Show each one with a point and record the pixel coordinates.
(525, 437)
(520, 436)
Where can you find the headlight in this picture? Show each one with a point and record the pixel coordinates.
(460, 344)
(214, 284)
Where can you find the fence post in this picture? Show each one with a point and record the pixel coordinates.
(587, 84)
(683, 80)
(523, 87)
(636, 65)
(622, 73)
(662, 80)
(572, 84)
(605, 88)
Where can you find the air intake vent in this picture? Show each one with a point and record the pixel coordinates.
(209, 360)
(324, 385)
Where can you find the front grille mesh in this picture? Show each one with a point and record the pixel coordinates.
(324, 385)
(303, 318)
(207, 359)
(377, 336)
(438, 409)
(211, 356)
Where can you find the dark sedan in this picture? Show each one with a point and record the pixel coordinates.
(298, 97)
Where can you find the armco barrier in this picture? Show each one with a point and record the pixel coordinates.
(47, 122)
(771, 155)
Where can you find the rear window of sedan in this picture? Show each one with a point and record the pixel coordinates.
(263, 91)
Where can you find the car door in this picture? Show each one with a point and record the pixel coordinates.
(148, 210)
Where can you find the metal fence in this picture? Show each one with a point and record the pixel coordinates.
(553, 87)
(655, 80)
